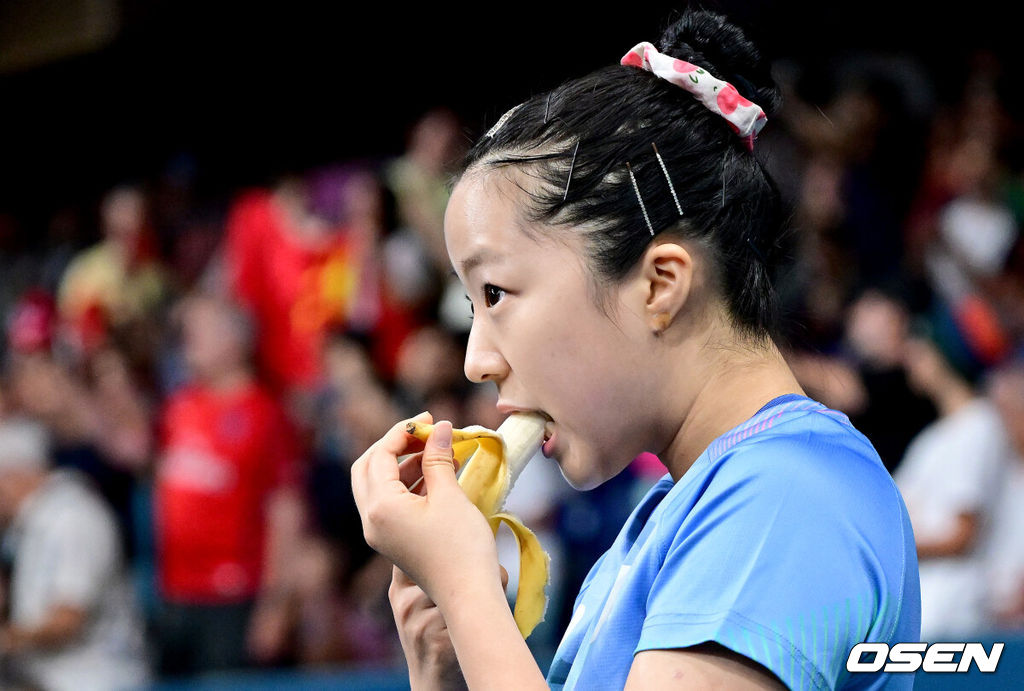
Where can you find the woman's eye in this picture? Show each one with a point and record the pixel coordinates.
(492, 294)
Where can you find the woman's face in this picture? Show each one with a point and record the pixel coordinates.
(541, 338)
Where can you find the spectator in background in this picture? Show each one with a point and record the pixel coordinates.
(868, 379)
(395, 290)
(417, 261)
(72, 621)
(419, 181)
(344, 611)
(429, 374)
(228, 505)
(1005, 557)
(951, 471)
(299, 275)
(119, 283)
(962, 229)
(84, 427)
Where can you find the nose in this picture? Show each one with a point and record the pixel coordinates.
(484, 362)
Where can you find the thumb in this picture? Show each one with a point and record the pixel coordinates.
(438, 464)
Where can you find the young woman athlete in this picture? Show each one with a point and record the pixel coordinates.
(616, 238)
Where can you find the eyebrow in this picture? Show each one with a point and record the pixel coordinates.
(474, 260)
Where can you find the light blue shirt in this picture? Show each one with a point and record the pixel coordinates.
(787, 542)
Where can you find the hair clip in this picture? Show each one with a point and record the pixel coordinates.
(720, 97)
(671, 187)
(547, 108)
(502, 120)
(636, 188)
(571, 166)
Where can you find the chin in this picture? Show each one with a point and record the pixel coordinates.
(580, 476)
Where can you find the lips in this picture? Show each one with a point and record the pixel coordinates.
(549, 443)
(548, 446)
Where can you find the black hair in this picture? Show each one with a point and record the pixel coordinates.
(576, 141)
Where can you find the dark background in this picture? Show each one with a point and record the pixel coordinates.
(248, 92)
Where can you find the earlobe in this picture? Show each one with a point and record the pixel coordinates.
(661, 322)
(668, 274)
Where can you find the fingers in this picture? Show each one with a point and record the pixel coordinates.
(437, 462)
(398, 442)
(380, 461)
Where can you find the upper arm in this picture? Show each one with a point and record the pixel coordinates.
(704, 666)
(86, 558)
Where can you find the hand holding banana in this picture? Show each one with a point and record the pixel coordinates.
(412, 530)
(495, 461)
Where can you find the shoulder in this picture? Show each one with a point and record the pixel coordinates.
(69, 506)
(88, 261)
(811, 479)
(816, 454)
(979, 417)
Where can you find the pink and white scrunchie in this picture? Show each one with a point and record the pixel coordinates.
(746, 118)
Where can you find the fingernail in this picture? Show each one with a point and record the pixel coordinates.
(443, 435)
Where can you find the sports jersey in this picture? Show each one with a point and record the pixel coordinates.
(221, 457)
(786, 541)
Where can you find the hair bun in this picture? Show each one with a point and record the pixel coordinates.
(710, 41)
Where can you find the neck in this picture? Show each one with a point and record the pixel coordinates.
(737, 383)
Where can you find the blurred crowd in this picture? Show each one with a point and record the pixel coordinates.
(186, 381)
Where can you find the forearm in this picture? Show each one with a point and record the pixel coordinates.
(490, 649)
(62, 625)
(957, 542)
(285, 530)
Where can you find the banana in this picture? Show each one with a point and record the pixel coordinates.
(491, 461)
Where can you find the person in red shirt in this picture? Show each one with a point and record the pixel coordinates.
(303, 274)
(297, 273)
(227, 502)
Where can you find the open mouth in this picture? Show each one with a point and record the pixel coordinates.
(549, 433)
(549, 426)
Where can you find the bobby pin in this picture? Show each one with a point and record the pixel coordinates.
(671, 187)
(636, 188)
(571, 166)
(723, 179)
(547, 108)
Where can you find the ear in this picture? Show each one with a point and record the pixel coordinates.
(667, 273)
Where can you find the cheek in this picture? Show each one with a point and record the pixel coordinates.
(588, 383)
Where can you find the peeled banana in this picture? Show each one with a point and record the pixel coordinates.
(491, 461)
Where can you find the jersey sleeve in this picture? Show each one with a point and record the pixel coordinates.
(781, 563)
